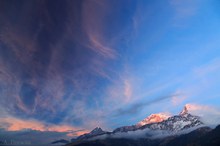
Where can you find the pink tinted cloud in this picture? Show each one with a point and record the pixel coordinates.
(210, 115)
(177, 99)
(93, 20)
(15, 124)
(101, 47)
(197, 108)
(127, 90)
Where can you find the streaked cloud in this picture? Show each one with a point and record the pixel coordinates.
(137, 107)
(208, 68)
(93, 21)
(127, 89)
(178, 99)
(15, 124)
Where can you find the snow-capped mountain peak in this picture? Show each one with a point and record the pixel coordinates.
(153, 118)
(175, 123)
(186, 110)
(154, 124)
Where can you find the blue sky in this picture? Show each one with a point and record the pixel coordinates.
(75, 65)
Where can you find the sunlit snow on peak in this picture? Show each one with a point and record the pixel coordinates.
(154, 118)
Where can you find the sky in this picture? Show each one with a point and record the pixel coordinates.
(67, 66)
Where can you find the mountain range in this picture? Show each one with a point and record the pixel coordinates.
(155, 130)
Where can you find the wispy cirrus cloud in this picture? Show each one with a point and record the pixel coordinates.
(127, 89)
(207, 68)
(93, 21)
(39, 67)
(202, 78)
(57, 60)
(178, 98)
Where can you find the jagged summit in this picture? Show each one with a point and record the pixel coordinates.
(153, 118)
(186, 109)
(97, 130)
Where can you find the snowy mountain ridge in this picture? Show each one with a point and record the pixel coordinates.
(153, 118)
(152, 125)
